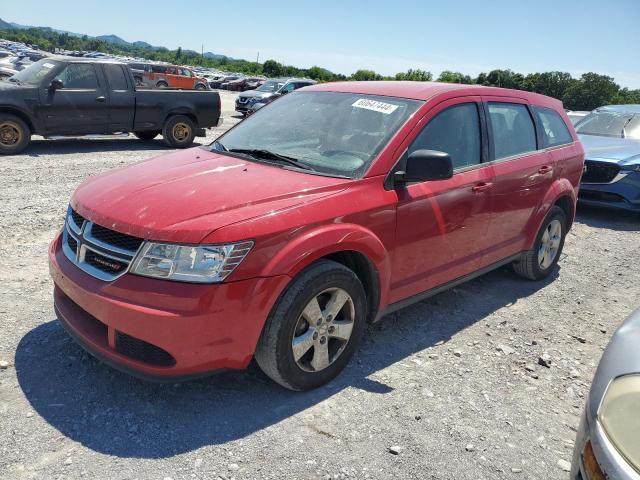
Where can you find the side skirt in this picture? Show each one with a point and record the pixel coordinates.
(445, 286)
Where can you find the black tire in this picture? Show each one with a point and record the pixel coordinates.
(162, 85)
(15, 134)
(274, 352)
(529, 265)
(147, 134)
(179, 131)
(200, 86)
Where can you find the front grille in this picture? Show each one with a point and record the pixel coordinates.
(77, 218)
(117, 239)
(599, 172)
(97, 250)
(143, 351)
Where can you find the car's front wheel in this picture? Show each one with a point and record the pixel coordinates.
(539, 262)
(314, 328)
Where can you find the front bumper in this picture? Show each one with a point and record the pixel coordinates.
(163, 330)
(622, 194)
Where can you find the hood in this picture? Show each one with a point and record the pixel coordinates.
(186, 195)
(256, 94)
(621, 151)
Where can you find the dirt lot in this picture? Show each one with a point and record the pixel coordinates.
(453, 381)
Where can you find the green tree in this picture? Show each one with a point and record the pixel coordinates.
(448, 76)
(415, 75)
(552, 84)
(178, 54)
(271, 68)
(591, 91)
(365, 75)
(502, 78)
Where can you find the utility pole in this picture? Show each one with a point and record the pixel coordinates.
(258, 58)
(202, 53)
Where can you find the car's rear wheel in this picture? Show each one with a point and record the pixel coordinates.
(162, 85)
(179, 131)
(15, 134)
(540, 261)
(314, 328)
(147, 135)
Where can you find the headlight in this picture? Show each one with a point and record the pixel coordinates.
(620, 419)
(186, 263)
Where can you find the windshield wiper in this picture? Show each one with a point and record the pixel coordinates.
(269, 155)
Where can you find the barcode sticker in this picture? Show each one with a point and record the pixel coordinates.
(376, 106)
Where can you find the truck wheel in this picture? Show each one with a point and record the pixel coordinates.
(314, 328)
(162, 85)
(538, 262)
(15, 134)
(200, 86)
(179, 131)
(147, 134)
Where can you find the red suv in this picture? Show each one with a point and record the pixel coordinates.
(326, 210)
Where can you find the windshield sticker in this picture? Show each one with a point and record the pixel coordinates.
(48, 65)
(376, 106)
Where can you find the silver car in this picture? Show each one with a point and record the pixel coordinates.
(608, 439)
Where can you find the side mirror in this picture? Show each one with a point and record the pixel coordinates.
(56, 84)
(423, 165)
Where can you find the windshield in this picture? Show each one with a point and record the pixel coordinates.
(270, 86)
(607, 124)
(34, 73)
(327, 132)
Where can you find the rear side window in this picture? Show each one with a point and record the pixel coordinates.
(79, 76)
(158, 69)
(512, 129)
(116, 77)
(455, 131)
(554, 130)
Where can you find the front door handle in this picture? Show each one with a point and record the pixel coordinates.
(100, 99)
(481, 187)
(545, 169)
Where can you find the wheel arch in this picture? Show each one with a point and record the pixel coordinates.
(562, 194)
(20, 114)
(181, 111)
(351, 245)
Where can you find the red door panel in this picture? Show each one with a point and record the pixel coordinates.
(441, 225)
(519, 185)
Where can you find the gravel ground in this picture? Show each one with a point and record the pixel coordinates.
(450, 388)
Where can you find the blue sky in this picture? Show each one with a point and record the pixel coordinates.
(386, 36)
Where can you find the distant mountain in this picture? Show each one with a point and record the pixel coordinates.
(113, 39)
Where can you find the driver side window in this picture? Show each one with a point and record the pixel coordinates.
(456, 131)
(79, 76)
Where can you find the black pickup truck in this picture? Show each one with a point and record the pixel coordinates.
(74, 96)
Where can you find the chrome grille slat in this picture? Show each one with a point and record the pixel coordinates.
(96, 257)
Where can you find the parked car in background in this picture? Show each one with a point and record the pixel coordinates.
(6, 72)
(271, 89)
(223, 81)
(611, 139)
(326, 210)
(246, 83)
(608, 438)
(172, 76)
(69, 96)
(576, 115)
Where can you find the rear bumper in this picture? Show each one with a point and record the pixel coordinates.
(623, 194)
(162, 330)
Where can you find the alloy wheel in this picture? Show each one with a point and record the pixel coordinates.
(323, 330)
(550, 244)
(181, 132)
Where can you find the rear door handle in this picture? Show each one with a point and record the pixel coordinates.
(545, 169)
(481, 187)
(100, 99)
